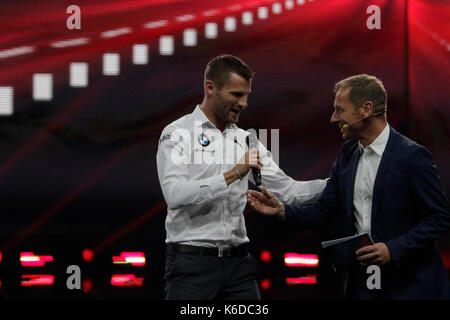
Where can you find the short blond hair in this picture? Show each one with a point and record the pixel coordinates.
(365, 88)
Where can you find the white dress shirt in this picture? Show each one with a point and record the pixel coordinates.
(365, 178)
(202, 210)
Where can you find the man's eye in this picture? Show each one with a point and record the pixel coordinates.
(237, 95)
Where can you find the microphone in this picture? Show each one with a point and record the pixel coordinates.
(345, 126)
(252, 142)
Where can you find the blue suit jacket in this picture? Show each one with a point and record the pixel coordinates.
(409, 213)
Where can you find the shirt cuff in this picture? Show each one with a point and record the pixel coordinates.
(218, 184)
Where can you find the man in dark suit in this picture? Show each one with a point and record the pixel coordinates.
(382, 183)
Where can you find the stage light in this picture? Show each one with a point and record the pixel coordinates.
(289, 4)
(69, 43)
(87, 255)
(186, 17)
(230, 24)
(265, 256)
(136, 259)
(247, 18)
(211, 30)
(111, 64)
(126, 280)
(263, 13)
(210, 13)
(29, 280)
(301, 260)
(16, 51)
(309, 279)
(140, 54)
(156, 24)
(266, 284)
(29, 259)
(6, 101)
(276, 8)
(116, 32)
(190, 37)
(1, 257)
(42, 86)
(87, 285)
(166, 45)
(78, 74)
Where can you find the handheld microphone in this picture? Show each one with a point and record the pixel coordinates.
(252, 142)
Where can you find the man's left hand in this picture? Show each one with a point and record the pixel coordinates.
(377, 253)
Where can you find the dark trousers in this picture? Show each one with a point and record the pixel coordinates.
(191, 276)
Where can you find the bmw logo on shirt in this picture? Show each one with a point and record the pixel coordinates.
(203, 140)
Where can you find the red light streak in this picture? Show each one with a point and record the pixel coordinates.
(126, 280)
(29, 280)
(28, 259)
(301, 260)
(136, 259)
(309, 279)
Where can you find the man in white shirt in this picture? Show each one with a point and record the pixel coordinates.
(203, 163)
(381, 183)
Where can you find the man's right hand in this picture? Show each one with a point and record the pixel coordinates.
(265, 202)
(249, 160)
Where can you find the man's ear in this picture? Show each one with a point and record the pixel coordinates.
(367, 108)
(210, 88)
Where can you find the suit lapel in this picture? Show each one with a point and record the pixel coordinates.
(351, 182)
(382, 171)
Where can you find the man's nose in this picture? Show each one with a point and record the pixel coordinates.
(243, 102)
(334, 118)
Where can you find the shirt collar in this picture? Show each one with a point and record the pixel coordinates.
(379, 144)
(200, 119)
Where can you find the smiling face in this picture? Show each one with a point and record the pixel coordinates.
(231, 100)
(346, 113)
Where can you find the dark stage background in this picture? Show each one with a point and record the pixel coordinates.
(78, 173)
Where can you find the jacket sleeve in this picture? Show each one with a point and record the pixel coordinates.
(288, 190)
(426, 185)
(323, 210)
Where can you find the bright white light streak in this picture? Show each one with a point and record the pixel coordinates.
(190, 37)
(263, 13)
(16, 51)
(79, 74)
(166, 45)
(276, 8)
(235, 7)
(42, 86)
(111, 64)
(116, 32)
(211, 30)
(156, 24)
(69, 43)
(6, 102)
(184, 18)
(230, 24)
(140, 54)
(210, 13)
(247, 18)
(289, 4)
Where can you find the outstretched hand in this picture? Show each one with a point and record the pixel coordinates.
(265, 202)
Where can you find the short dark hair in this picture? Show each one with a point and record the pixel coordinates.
(219, 69)
(365, 88)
